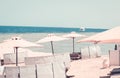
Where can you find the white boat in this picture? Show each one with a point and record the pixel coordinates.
(82, 28)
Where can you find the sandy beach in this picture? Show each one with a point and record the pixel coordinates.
(89, 68)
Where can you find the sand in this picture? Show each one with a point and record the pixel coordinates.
(89, 68)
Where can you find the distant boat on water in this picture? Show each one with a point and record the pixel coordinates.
(82, 28)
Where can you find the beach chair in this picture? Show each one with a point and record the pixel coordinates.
(114, 58)
(63, 58)
(28, 71)
(45, 71)
(75, 56)
(114, 73)
(67, 61)
(85, 53)
(10, 58)
(59, 70)
(38, 60)
(91, 51)
(11, 72)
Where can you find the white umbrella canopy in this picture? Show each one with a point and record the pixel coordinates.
(51, 38)
(73, 35)
(109, 36)
(89, 39)
(17, 42)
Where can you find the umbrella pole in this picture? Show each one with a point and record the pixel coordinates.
(73, 44)
(16, 56)
(52, 47)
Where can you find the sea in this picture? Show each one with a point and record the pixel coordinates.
(35, 33)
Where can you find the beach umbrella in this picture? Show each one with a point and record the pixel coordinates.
(90, 39)
(51, 38)
(17, 42)
(73, 35)
(108, 36)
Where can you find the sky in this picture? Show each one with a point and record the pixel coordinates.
(60, 13)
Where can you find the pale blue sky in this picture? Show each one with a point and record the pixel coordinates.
(61, 13)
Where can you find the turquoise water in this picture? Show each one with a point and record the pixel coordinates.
(28, 29)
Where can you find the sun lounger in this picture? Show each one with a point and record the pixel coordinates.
(10, 58)
(11, 72)
(75, 56)
(67, 60)
(49, 59)
(44, 70)
(85, 53)
(91, 51)
(63, 58)
(115, 73)
(59, 70)
(38, 60)
(114, 58)
(51, 70)
(28, 71)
